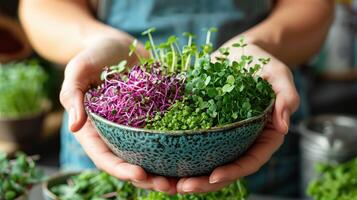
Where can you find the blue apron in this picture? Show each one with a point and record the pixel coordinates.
(173, 17)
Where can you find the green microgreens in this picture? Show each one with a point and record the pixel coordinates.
(16, 176)
(188, 51)
(335, 182)
(217, 93)
(151, 44)
(22, 88)
(172, 58)
(132, 51)
(101, 186)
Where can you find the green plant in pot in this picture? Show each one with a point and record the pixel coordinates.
(97, 185)
(336, 181)
(22, 100)
(17, 176)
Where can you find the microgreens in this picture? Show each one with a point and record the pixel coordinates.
(130, 98)
(335, 182)
(181, 88)
(16, 176)
(174, 59)
(218, 93)
(22, 90)
(101, 186)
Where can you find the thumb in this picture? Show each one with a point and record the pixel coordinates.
(287, 101)
(72, 100)
(281, 115)
(75, 83)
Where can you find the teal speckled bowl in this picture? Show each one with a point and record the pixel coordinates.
(181, 153)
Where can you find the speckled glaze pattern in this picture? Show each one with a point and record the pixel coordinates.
(180, 154)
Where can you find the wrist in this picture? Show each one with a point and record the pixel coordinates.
(95, 32)
(266, 35)
(116, 37)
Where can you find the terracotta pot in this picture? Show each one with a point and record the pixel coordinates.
(14, 43)
(59, 178)
(23, 197)
(21, 130)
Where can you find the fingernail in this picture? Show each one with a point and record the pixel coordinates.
(217, 180)
(187, 189)
(164, 191)
(191, 190)
(286, 119)
(71, 116)
(137, 180)
(213, 180)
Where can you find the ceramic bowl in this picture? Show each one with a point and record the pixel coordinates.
(57, 179)
(23, 197)
(181, 153)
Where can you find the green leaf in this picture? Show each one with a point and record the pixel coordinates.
(148, 31)
(213, 29)
(172, 39)
(236, 45)
(212, 92)
(264, 61)
(10, 195)
(227, 88)
(241, 88)
(224, 51)
(132, 47)
(120, 67)
(246, 105)
(188, 34)
(260, 86)
(147, 45)
(230, 80)
(208, 79)
(200, 84)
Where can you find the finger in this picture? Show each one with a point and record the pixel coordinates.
(145, 184)
(72, 100)
(75, 83)
(281, 115)
(173, 186)
(161, 184)
(252, 160)
(158, 183)
(199, 185)
(104, 159)
(180, 184)
(287, 98)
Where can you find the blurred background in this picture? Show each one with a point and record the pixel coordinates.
(30, 112)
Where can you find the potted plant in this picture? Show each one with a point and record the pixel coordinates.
(100, 185)
(22, 101)
(17, 176)
(336, 181)
(14, 43)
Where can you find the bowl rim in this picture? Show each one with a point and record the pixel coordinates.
(186, 132)
(61, 174)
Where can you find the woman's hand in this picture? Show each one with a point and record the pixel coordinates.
(287, 101)
(82, 72)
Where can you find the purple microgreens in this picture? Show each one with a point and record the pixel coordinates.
(143, 94)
